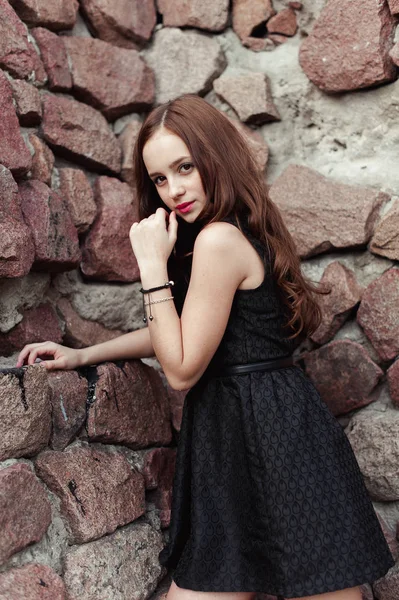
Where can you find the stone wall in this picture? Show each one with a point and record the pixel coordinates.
(87, 457)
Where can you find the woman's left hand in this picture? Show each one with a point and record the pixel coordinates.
(152, 239)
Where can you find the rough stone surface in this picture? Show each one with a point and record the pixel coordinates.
(80, 133)
(176, 402)
(55, 59)
(28, 104)
(158, 471)
(209, 14)
(283, 22)
(349, 45)
(76, 476)
(56, 15)
(25, 420)
(17, 54)
(75, 188)
(17, 295)
(352, 331)
(24, 508)
(130, 408)
(256, 143)
(16, 244)
(92, 61)
(322, 214)
(344, 294)
(55, 236)
(13, 152)
(394, 6)
(277, 38)
(107, 252)
(344, 375)
(183, 62)
(375, 440)
(42, 161)
(385, 240)
(131, 556)
(128, 139)
(387, 587)
(249, 95)
(378, 314)
(68, 395)
(80, 333)
(38, 325)
(126, 23)
(115, 307)
(393, 382)
(16, 249)
(250, 15)
(32, 582)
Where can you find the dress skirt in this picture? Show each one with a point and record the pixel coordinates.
(268, 495)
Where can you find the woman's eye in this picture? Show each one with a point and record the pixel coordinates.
(186, 167)
(158, 180)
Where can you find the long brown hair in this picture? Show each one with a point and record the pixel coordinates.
(233, 186)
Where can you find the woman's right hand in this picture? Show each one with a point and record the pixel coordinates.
(53, 356)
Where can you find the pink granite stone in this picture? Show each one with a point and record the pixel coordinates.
(107, 252)
(345, 294)
(80, 133)
(28, 104)
(343, 374)
(394, 6)
(98, 490)
(55, 236)
(250, 15)
(284, 22)
(128, 139)
(342, 216)
(38, 325)
(158, 471)
(25, 412)
(54, 56)
(42, 161)
(126, 23)
(13, 151)
(75, 188)
(91, 62)
(24, 508)
(130, 408)
(68, 395)
(211, 15)
(393, 382)
(16, 243)
(56, 15)
(80, 333)
(32, 582)
(17, 54)
(378, 314)
(249, 95)
(336, 57)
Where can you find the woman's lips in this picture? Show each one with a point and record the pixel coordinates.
(185, 207)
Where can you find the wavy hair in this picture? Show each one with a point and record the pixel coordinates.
(233, 186)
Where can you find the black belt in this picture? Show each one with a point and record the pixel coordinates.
(264, 365)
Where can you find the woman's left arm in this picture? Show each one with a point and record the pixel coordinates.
(184, 347)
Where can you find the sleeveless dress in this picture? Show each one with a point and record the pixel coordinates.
(267, 493)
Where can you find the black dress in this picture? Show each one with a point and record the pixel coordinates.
(267, 492)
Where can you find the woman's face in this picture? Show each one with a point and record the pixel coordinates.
(176, 178)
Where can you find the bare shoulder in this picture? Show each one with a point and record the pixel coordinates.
(220, 236)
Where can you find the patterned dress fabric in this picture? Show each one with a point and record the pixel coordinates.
(267, 494)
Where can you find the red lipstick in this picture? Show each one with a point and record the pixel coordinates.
(185, 206)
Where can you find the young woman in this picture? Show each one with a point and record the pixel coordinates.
(268, 496)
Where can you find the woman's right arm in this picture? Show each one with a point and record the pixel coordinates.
(136, 344)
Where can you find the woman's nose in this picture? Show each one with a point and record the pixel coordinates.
(176, 189)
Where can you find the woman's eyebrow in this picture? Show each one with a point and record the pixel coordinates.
(173, 164)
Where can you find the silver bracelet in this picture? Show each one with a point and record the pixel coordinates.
(159, 300)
